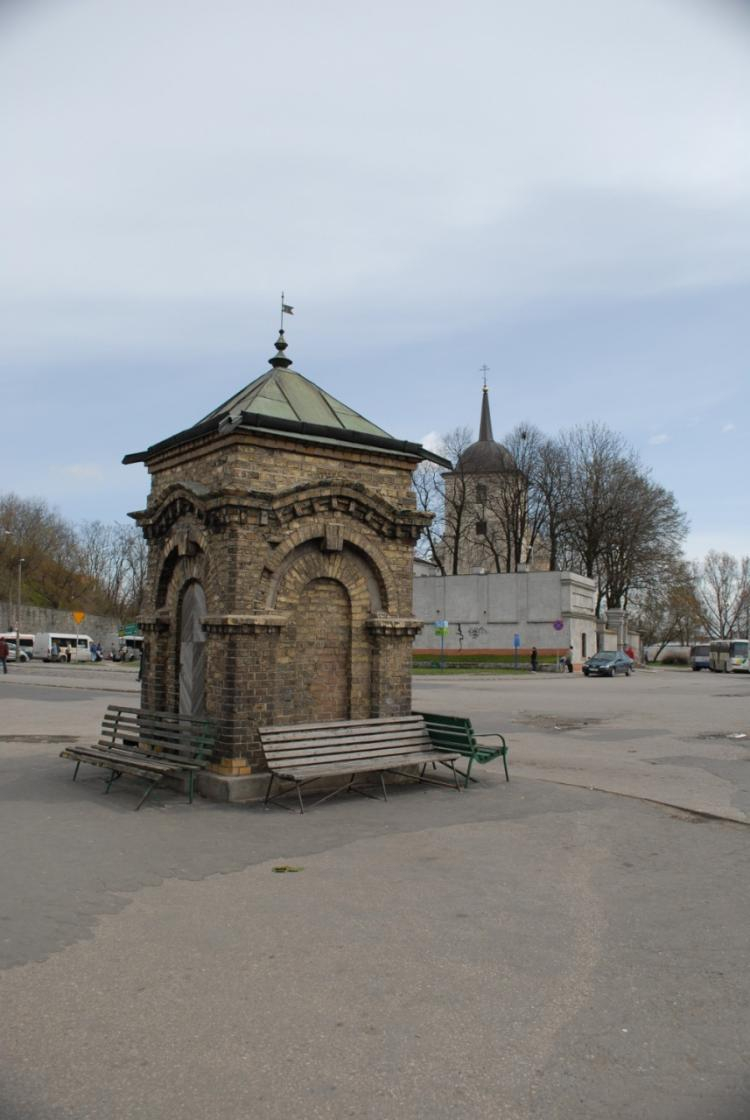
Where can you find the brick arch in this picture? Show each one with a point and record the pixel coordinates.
(308, 563)
(179, 569)
(324, 666)
(384, 596)
(186, 547)
(176, 504)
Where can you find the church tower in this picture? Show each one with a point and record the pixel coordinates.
(479, 496)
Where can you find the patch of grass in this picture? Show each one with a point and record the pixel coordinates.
(476, 663)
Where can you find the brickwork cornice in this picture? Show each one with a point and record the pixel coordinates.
(222, 510)
(394, 627)
(266, 623)
(154, 623)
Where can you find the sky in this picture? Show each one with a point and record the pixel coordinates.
(560, 192)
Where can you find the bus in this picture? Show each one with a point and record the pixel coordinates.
(729, 655)
(52, 646)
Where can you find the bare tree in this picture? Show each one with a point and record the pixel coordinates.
(643, 541)
(48, 544)
(599, 469)
(113, 560)
(550, 485)
(666, 610)
(448, 495)
(430, 492)
(136, 568)
(95, 567)
(722, 587)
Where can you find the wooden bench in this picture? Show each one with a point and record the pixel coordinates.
(306, 752)
(455, 734)
(148, 745)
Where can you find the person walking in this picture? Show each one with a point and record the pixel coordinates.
(569, 660)
(4, 651)
(534, 658)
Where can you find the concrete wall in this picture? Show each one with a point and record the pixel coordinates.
(40, 620)
(485, 611)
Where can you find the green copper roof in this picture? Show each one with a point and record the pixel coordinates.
(282, 400)
(287, 395)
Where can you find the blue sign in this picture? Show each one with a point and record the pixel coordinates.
(516, 641)
(558, 624)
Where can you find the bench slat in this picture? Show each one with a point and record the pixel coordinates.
(170, 716)
(374, 743)
(307, 773)
(151, 727)
(346, 744)
(320, 740)
(155, 746)
(347, 725)
(114, 760)
(301, 753)
(149, 745)
(372, 759)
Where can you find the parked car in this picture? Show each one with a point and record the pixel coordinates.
(26, 654)
(608, 663)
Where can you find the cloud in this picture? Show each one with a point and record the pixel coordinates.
(661, 438)
(433, 442)
(153, 198)
(82, 472)
(729, 427)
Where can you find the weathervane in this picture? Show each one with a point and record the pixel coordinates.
(286, 309)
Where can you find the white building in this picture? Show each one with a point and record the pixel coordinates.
(550, 610)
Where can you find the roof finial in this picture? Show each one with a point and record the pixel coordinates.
(484, 370)
(280, 361)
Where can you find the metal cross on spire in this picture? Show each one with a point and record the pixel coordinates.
(484, 370)
(286, 309)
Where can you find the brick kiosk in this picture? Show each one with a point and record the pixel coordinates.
(281, 532)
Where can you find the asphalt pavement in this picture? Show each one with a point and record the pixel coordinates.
(532, 949)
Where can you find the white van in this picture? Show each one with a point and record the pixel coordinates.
(53, 646)
(26, 642)
(131, 648)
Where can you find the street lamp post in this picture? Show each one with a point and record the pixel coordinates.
(21, 562)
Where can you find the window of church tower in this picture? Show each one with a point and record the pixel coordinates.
(481, 528)
(481, 492)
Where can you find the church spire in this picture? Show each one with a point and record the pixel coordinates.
(485, 423)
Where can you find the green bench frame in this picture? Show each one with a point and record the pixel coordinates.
(455, 734)
(148, 745)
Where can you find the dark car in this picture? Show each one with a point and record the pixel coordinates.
(607, 664)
